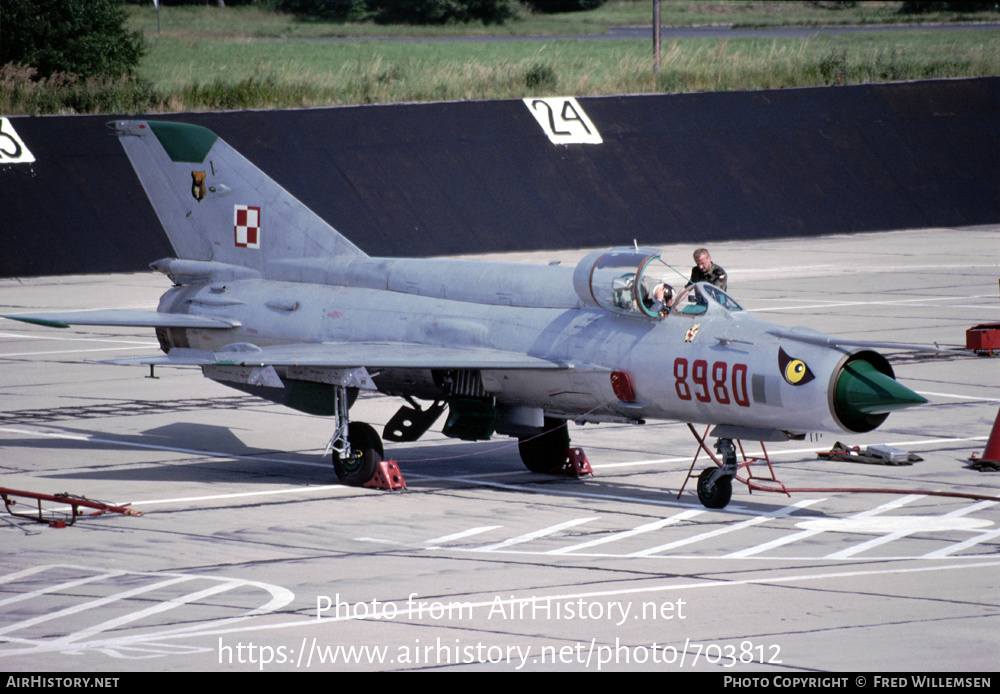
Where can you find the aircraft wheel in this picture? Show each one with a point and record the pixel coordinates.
(545, 452)
(366, 453)
(714, 495)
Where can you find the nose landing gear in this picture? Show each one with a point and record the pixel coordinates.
(715, 484)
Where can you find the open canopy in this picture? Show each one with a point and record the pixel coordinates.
(637, 281)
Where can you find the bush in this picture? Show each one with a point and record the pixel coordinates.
(540, 76)
(78, 37)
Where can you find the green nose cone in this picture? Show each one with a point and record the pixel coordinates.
(863, 393)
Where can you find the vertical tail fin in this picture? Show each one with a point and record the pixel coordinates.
(217, 206)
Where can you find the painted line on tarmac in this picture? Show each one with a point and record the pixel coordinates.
(200, 453)
(148, 643)
(811, 531)
(898, 527)
(535, 534)
(975, 398)
(76, 338)
(76, 351)
(621, 535)
(420, 610)
(125, 344)
(477, 479)
(159, 447)
(789, 452)
(780, 513)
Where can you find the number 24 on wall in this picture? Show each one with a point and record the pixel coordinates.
(563, 120)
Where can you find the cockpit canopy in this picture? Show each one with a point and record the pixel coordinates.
(636, 281)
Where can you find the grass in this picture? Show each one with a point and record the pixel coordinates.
(207, 58)
(22, 93)
(304, 73)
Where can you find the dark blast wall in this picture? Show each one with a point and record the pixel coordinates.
(471, 177)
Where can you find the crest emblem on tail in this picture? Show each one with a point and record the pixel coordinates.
(198, 185)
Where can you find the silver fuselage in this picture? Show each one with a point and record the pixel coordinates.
(714, 368)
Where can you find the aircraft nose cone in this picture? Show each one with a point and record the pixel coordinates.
(863, 393)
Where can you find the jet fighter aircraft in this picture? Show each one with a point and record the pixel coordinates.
(270, 299)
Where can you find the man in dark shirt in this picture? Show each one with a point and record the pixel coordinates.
(707, 271)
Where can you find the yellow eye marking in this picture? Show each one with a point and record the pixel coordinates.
(795, 371)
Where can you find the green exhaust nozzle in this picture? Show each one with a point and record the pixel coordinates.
(865, 395)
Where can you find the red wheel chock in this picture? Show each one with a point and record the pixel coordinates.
(576, 463)
(387, 476)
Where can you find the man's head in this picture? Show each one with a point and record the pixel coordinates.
(703, 260)
(663, 292)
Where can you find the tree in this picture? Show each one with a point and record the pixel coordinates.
(961, 6)
(80, 37)
(553, 6)
(441, 11)
(326, 10)
(403, 11)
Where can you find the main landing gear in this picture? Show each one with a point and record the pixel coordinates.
(359, 460)
(550, 453)
(358, 451)
(545, 452)
(356, 446)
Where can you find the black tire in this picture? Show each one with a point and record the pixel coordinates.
(366, 453)
(714, 495)
(545, 452)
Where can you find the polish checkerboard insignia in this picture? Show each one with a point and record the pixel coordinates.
(247, 226)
